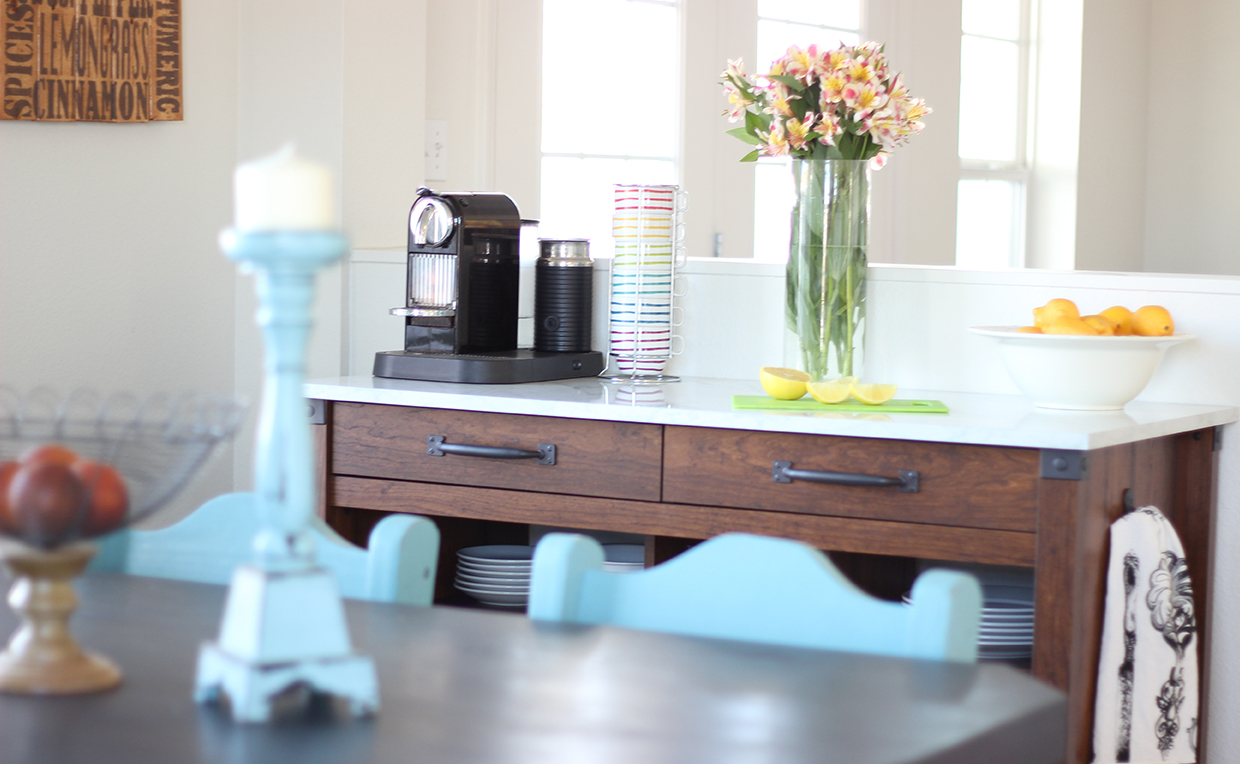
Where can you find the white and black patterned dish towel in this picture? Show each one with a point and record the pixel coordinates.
(1146, 709)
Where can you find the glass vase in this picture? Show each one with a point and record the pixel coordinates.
(827, 264)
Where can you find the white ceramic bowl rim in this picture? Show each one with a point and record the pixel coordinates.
(1009, 332)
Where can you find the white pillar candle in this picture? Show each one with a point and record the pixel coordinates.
(283, 192)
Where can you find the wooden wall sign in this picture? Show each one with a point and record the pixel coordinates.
(91, 60)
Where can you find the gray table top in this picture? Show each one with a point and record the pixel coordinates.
(462, 685)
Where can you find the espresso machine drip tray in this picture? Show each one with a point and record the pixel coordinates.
(500, 367)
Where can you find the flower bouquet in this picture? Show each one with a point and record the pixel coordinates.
(836, 113)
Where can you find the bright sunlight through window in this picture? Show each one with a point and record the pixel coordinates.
(993, 92)
(782, 23)
(592, 51)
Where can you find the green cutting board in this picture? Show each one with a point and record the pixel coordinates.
(893, 406)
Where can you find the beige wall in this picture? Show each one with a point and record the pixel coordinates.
(348, 89)
(914, 196)
(483, 76)
(1115, 76)
(1192, 223)
(110, 277)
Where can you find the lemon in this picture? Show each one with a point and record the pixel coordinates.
(831, 391)
(1152, 321)
(1102, 324)
(1121, 316)
(872, 394)
(1069, 325)
(783, 384)
(1052, 310)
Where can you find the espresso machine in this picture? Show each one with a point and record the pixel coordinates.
(461, 292)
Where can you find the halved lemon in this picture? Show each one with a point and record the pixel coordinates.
(831, 390)
(783, 384)
(872, 394)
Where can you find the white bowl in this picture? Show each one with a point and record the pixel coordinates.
(1081, 373)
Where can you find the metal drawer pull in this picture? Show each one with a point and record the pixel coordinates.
(436, 447)
(908, 482)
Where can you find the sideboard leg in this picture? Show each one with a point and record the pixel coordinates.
(1074, 518)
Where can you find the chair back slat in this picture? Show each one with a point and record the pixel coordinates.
(208, 544)
(756, 588)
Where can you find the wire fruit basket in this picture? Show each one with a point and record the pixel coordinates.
(74, 468)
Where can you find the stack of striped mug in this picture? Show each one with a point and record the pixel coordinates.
(647, 236)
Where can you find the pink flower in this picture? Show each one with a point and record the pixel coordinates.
(775, 143)
(738, 101)
(827, 129)
(832, 86)
(835, 61)
(798, 132)
(863, 97)
(799, 63)
(848, 89)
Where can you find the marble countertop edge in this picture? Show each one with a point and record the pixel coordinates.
(974, 418)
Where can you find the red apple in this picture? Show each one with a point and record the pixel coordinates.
(8, 521)
(108, 497)
(50, 452)
(46, 499)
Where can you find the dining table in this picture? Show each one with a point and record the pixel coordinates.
(462, 684)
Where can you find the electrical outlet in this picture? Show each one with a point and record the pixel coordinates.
(436, 149)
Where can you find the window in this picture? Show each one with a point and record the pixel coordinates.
(593, 134)
(782, 23)
(628, 87)
(994, 65)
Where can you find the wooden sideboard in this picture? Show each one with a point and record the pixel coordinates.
(1042, 508)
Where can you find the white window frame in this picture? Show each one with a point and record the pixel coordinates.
(914, 197)
(1016, 171)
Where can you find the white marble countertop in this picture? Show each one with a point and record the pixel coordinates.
(992, 420)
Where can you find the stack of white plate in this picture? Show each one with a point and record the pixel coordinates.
(496, 575)
(1006, 629)
(623, 558)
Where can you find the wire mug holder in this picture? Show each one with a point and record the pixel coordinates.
(650, 234)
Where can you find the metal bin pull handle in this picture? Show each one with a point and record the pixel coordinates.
(908, 482)
(435, 446)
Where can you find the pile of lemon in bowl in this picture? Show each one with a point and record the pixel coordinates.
(792, 384)
(1061, 316)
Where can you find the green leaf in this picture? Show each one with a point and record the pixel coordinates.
(793, 84)
(751, 156)
(754, 123)
(744, 134)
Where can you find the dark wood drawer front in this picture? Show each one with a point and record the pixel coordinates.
(967, 486)
(593, 458)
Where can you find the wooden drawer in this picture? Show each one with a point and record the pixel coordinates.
(960, 485)
(593, 458)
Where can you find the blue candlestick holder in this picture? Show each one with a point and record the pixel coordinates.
(284, 619)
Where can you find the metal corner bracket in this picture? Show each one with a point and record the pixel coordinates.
(1058, 464)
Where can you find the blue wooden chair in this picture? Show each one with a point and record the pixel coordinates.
(398, 566)
(760, 589)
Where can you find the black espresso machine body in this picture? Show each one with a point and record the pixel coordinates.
(462, 287)
(463, 274)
